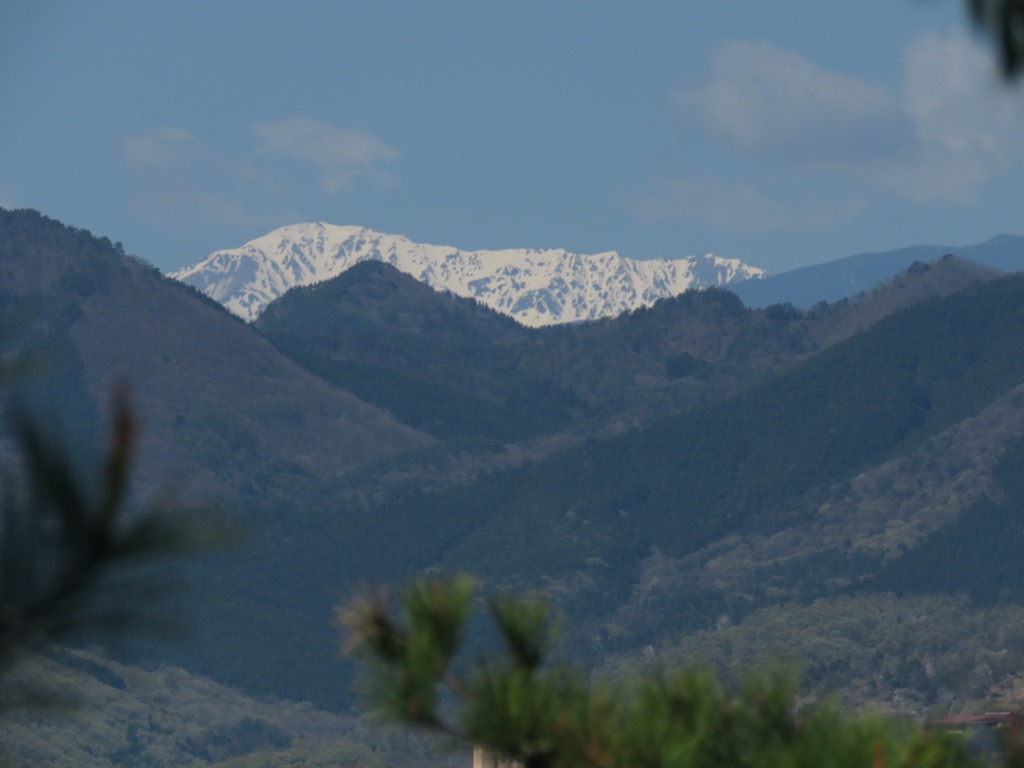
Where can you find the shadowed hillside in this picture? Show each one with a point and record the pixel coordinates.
(219, 402)
(676, 471)
(456, 369)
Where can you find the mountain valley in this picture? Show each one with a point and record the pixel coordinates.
(695, 479)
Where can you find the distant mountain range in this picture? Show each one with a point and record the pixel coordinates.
(548, 287)
(536, 287)
(840, 486)
(845, 278)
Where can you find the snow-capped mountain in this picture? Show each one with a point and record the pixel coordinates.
(536, 287)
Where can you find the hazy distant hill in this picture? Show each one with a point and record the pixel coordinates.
(537, 287)
(845, 278)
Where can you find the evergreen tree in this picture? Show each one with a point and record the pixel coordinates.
(1003, 22)
(540, 713)
(76, 564)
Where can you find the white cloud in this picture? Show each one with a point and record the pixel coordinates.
(952, 95)
(184, 183)
(968, 125)
(948, 128)
(762, 98)
(163, 149)
(340, 156)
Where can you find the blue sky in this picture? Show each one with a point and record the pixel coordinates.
(782, 133)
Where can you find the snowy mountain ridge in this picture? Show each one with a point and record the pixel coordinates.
(536, 287)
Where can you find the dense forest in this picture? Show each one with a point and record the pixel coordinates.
(696, 481)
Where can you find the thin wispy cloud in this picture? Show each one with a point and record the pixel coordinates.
(181, 181)
(967, 124)
(765, 99)
(340, 156)
(164, 150)
(947, 130)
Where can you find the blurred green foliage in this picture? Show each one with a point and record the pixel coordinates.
(542, 713)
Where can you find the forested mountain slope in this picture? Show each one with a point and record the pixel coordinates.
(441, 363)
(704, 473)
(458, 370)
(226, 420)
(799, 488)
(809, 486)
(219, 404)
(678, 470)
